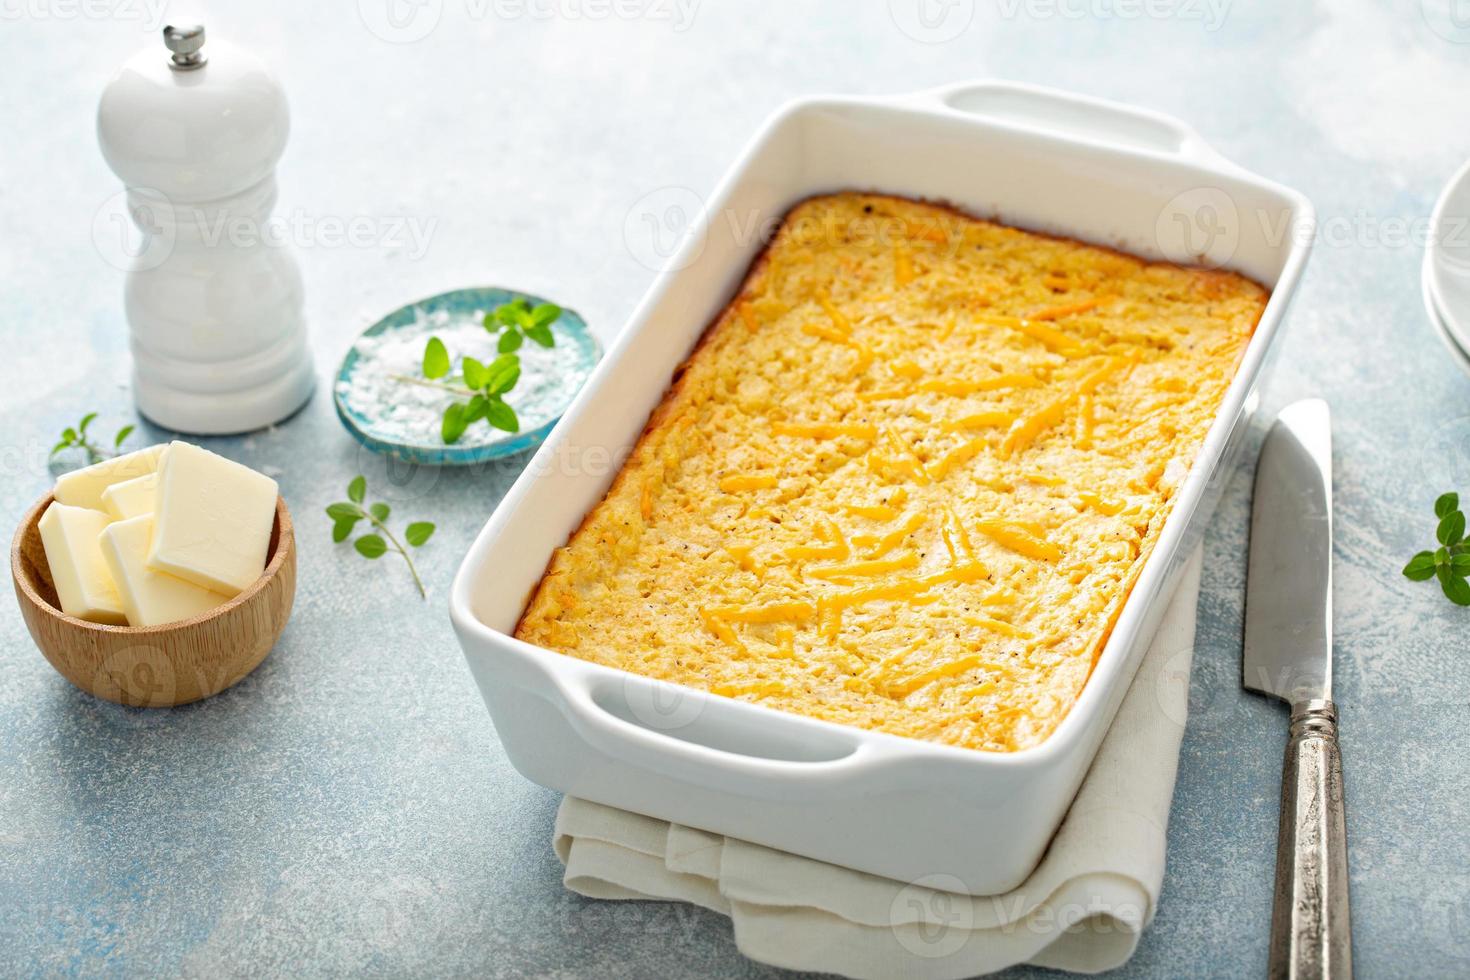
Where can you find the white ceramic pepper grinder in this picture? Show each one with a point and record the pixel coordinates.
(214, 299)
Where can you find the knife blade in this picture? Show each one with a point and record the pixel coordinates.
(1288, 601)
(1288, 654)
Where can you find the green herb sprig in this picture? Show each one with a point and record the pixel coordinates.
(380, 540)
(519, 319)
(75, 437)
(486, 385)
(1450, 562)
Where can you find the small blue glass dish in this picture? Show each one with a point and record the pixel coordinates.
(383, 399)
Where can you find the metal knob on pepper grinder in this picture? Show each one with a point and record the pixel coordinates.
(186, 44)
(214, 300)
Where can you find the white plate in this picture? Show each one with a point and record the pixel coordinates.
(1447, 257)
(897, 807)
(1436, 318)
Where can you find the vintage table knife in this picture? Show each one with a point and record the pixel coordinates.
(1288, 654)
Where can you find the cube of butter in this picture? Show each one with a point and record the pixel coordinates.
(149, 598)
(212, 520)
(130, 498)
(83, 487)
(83, 584)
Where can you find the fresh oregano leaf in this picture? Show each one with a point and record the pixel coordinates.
(502, 374)
(418, 532)
(500, 415)
(474, 373)
(454, 423)
(371, 546)
(1446, 503)
(510, 341)
(1456, 589)
(344, 512)
(506, 382)
(1421, 566)
(436, 359)
(1451, 528)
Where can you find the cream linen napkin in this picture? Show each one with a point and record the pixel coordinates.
(1082, 909)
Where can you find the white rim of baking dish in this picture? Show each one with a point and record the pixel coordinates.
(1062, 119)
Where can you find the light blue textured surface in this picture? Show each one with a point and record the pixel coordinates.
(347, 808)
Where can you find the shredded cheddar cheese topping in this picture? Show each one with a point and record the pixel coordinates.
(909, 476)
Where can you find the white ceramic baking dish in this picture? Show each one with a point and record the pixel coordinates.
(898, 807)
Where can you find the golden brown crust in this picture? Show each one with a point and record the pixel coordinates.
(908, 476)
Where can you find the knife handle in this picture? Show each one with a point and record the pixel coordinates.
(1311, 933)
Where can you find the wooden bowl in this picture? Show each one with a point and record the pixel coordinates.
(156, 666)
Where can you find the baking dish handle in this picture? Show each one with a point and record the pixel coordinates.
(707, 739)
(1048, 111)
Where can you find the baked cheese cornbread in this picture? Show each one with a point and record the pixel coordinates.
(908, 477)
